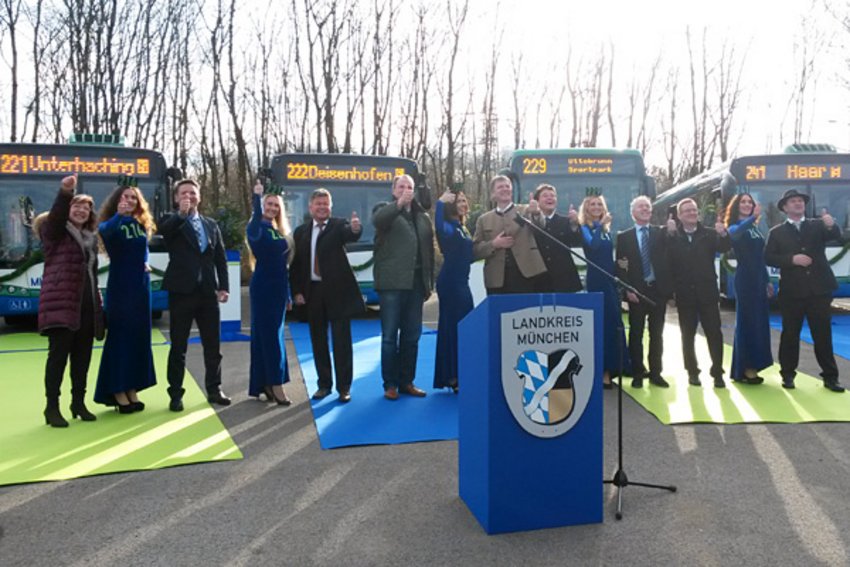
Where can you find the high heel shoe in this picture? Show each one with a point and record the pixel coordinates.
(282, 401)
(137, 405)
(126, 408)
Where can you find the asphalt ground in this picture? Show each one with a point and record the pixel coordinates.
(770, 494)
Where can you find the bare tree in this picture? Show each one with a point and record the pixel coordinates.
(456, 19)
(10, 12)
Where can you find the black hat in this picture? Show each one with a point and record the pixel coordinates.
(787, 195)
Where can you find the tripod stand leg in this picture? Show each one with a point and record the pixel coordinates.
(669, 487)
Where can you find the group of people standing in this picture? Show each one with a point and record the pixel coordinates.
(310, 267)
(676, 260)
(71, 312)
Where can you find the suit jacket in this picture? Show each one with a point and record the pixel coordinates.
(692, 263)
(339, 284)
(561, 269)
(783, 242)
(528, 258)
(628, 248)
(186, 263)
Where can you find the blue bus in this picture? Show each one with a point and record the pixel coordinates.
(30, 175)
(817, 170)
(356, 183)
(618, 175)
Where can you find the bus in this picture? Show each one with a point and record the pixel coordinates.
(817, 170)
(30, 175)
(618, 175)
(356, 183)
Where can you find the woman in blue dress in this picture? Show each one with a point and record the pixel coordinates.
(455, 298)
(270, 240)
(126, 366)
(595, 221)
(751, 350)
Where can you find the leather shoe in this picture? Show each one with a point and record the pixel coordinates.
(391, 394)
(833, 386)
(176, 404)
(637, 382)
(219, 398)
(344, 397)
(694, 381)
(658, 381)
(412, 390)
(719, 383)
(322, 393)
(788, 383)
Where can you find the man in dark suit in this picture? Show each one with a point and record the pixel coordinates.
(642, 263)
(691, 251)
(196, 281)
(322, 279)
(561, 275)
(806, 283)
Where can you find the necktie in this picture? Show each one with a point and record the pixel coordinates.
(644, 254)
(199, 232)
(321, 226)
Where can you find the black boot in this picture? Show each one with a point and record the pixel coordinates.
(78, 399)
(52, 415)
(79, 409)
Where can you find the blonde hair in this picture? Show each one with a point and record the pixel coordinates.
(281, 221)
(584, 215)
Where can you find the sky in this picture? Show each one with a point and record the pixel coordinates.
(639, 29)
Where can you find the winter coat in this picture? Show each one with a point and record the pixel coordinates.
(68, 253)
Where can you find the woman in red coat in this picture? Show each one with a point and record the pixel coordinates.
(70, 308)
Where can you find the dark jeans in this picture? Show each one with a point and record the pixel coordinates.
(318, 316)
(401, 326)
(203, 308)
(65, 343)
(816, 310)
(706, 312)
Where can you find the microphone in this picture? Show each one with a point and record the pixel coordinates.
(521, 220)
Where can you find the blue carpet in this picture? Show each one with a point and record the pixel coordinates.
(369, 419)
(840, 333)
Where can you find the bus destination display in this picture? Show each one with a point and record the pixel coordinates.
(38, 164)
(298, 171)
(578, 165)
(796, 172)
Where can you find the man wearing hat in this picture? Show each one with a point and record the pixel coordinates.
(806, 283)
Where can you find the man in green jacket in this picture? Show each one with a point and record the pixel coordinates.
(404, 275)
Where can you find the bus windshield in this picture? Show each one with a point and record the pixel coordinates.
(346, 198)
(355, 182)
(23, 198)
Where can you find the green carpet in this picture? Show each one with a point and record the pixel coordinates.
(152, 439)
(737, 403)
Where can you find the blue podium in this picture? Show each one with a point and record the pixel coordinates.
(530, 424)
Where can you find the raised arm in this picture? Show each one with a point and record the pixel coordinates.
(254, 230)
(737, 230)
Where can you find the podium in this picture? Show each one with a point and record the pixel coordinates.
(530, 424)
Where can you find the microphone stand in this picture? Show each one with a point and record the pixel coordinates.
(620, 480)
